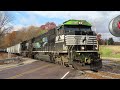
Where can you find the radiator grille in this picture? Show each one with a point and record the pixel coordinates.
(80, 40)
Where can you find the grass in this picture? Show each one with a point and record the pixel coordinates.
(110, 51)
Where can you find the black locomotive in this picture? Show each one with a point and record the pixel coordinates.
(71, 44)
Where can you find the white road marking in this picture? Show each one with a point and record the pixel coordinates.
(65, 75)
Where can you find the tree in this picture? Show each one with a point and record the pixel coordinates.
(25, 33)
(106, 41)
(99, 39)
(110, 41)
(5, 27)
(5, 19)
(48, 26)
(31, 32)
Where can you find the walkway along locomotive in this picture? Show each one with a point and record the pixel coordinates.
(73, 43)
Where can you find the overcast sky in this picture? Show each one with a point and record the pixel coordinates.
(99, 19)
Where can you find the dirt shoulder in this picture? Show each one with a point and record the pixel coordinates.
(5, 55)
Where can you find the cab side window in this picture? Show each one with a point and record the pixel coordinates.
(61, 31)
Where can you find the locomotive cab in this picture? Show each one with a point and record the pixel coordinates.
(81, 42)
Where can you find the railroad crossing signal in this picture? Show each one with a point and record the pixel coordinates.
(114, 26)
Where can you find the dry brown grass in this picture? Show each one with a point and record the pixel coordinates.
(111, 51)
(115, 49)
(5, 55)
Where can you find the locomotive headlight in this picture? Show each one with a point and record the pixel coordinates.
(82, 47)
(80, 22)
(96, 48)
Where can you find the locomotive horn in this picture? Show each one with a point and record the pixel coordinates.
(114, 26)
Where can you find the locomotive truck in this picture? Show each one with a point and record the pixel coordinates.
(73, 44)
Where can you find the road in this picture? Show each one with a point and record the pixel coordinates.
(37, 69)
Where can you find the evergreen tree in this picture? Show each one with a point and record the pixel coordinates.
(110, 41)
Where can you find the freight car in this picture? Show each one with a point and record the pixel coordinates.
(71, 44)
(3, 50)
(14, 49)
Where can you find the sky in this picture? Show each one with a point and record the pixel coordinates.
(99, 19)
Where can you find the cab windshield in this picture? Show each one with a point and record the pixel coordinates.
(72, 28)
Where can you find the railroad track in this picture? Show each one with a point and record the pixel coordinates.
(108, 71)
(102, 75)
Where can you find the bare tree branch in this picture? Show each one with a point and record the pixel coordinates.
(5, 19)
